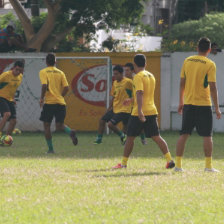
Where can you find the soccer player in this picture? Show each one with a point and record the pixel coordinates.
(117, 112)
(144, 113)
(54, 88)
(197, 86)
(129, 73)
(9, 82)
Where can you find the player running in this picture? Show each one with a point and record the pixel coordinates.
(9, 82)
(117, 112)
(197, 86)
(144, 113)
(54, 88)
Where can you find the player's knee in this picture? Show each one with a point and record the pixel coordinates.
(110, 125)
(7, 114)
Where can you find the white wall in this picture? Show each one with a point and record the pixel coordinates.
(170, 76)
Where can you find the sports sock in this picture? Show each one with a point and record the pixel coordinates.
(67, 130)
(179, 161)
(208, 162)
(124, 161)
(99, 137)
(142, 135)
(50, 144)
(120, 133)
(168, 157)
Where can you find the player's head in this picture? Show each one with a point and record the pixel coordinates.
(18, 68)
(50, 59)
(118, 72)
(129, 70)
(204, 45)
(139, 62)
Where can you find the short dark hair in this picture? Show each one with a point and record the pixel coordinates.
(19, 64)
(50, 59)
(130, 65)
(204, 44)
(118, 68)
(140, 60)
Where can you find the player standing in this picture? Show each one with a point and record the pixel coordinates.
(9, 82)
(117, 112)
(54, 88)
(144, 113)
(197, 86)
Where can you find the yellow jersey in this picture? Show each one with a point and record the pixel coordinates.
(9, 84)
(55, 80)
(121, 91)
(198, 71)
(145, 81)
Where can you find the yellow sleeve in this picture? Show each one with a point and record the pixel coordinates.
(138, 83)
(43, 78)
(212, 73)
(64, 80)
(2, 76)
(182, 73)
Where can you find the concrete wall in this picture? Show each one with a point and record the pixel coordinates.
(170, 76)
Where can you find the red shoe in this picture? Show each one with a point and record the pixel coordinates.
(119, 166)
(170, 164)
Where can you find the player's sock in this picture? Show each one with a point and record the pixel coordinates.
(179, 161)
(67, 130)
(142, 135)
(168, 157)
(208, 162)
(121, 133)
(50, 144)
(124, 161)
(99, 137)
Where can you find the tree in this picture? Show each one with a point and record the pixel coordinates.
(77, 16)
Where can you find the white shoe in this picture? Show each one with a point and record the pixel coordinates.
(211, 170)
(176, 169)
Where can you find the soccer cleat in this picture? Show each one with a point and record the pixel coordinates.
(119, 166)
(176, 169)
(170, 164)
(144, 142)
(73, 137)
(97, 142)
(211, 170)
(50, 151)
(123, 139)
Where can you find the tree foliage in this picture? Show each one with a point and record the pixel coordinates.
(68, 20)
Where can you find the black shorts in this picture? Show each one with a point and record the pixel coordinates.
(7, 106)
(53, 110)
(199, 117)
(150, 126)
(115, 118)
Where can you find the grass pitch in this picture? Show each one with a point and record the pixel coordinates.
(76, 185)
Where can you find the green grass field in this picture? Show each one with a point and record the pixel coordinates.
(77, 185)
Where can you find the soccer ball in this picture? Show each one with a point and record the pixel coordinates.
(6, 140)
(16, 131)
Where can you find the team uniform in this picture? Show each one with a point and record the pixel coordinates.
(54, 103)
(144, 81)
(8, 86)
(120, 91)
(197, 71)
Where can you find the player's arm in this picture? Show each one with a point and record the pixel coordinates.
(129, 91)
(214, 96)
(111, 104)
(181, 95)
(65, 91)
(43, 92)
(65, 85)
(139, 96)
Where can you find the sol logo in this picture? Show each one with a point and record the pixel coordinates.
(90, 85)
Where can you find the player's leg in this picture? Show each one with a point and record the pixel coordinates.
(134, 128)
(151, 130)
(5, 113)
(102, 123)
(204, 129)
(12, 118)
(60, 114)
(143, 139)
(46, 116)
(188, 124)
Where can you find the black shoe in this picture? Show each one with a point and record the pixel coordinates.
(50, 151)
(170, 164)
(73, 137)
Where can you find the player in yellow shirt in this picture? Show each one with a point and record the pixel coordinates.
(54, 88)
(144, 113)
(197, 86)
(129, 73)
(117, 112)
(9, 82)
